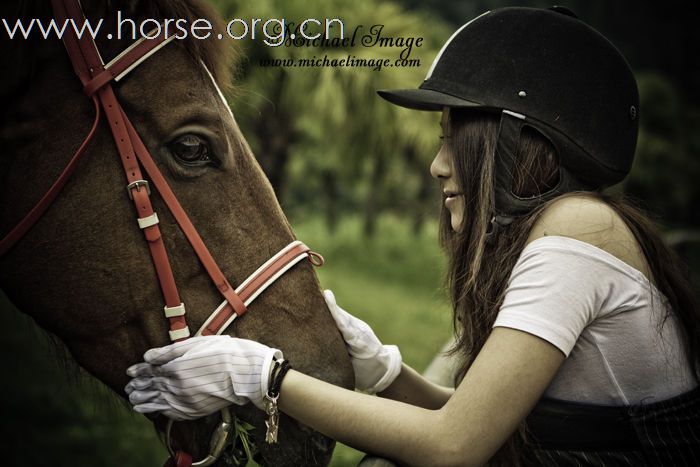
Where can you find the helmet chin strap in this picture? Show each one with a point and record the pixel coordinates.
(506, 203)
(507, 206)
(504, 210)
(495, 226)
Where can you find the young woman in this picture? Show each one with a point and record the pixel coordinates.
(579, 335)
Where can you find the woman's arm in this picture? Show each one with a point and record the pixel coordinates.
(412, 388)
(506, 380)
(183, 381)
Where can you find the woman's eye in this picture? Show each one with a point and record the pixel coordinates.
(191, 150)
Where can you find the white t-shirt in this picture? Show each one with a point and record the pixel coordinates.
(605, 316)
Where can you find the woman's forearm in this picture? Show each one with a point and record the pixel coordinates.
(503, 384)
(412, 388)
(390, 428)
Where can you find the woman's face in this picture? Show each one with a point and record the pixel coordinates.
(442, 169)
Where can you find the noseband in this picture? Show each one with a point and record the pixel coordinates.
(96, 78)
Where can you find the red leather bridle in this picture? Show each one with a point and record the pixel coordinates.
(96, 78)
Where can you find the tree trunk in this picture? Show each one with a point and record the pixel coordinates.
(330, 193)
(372, 208)
(425, 191)
(275, 133)
(424, 195)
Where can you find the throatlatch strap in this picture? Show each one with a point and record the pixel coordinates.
(31, 218)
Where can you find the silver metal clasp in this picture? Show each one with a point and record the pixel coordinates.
(137, 184)
(219, 439)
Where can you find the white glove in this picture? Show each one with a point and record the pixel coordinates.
(376, 366)
(201, 375)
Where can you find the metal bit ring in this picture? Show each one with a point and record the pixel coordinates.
(219, 439)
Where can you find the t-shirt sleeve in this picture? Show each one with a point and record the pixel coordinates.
(554, 292)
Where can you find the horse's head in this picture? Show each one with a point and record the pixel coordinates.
(84, 272)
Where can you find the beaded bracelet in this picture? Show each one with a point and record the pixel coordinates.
(279, 371)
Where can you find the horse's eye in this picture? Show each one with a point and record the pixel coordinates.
(191, 150)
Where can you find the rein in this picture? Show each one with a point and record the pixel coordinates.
(96, 78)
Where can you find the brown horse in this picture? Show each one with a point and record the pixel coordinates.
(83, 272)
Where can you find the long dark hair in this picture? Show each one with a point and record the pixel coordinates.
(478, 270)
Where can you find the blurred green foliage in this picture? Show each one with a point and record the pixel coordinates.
(667, 162)
(327, 142)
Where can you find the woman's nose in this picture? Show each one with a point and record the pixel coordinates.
(440, 168)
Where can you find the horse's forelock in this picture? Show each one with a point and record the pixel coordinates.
(217, 55)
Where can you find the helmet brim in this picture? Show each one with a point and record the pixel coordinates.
(424, 99)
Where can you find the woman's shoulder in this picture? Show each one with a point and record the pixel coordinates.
(591, 220)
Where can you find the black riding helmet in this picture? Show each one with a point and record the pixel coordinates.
(546, 69)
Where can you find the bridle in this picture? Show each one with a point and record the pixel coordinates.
(96, 78)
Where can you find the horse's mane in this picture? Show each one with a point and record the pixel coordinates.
(21, 57)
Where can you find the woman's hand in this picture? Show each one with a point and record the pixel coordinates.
(196, 377)
(376, 366)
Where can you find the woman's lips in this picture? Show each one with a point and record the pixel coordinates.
(451, 197)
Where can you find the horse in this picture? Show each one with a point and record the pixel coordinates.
(83, 272)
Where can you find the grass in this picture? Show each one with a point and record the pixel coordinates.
(392, 281)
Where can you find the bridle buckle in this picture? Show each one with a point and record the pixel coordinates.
(138, 184)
